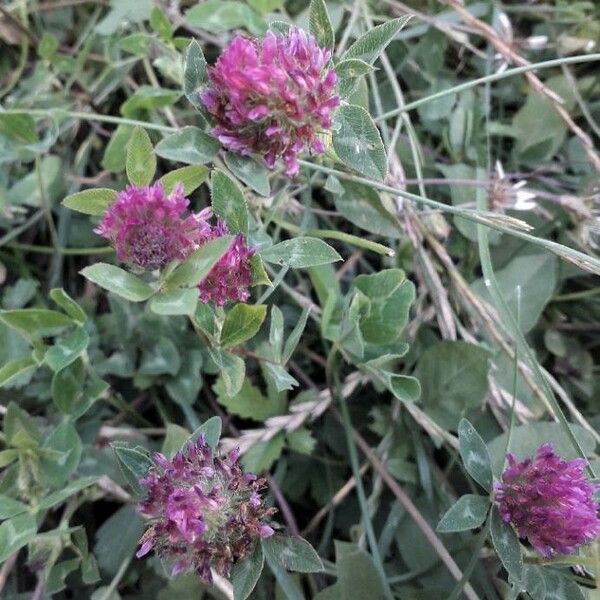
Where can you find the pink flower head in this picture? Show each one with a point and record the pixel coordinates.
(204, 512)
(549, 502)
(272, 96)
(147, 228)
(230, 278)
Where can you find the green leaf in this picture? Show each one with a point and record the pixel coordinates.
(67, 350)
(454, 376)
(10, 507)
(300, 253)
(16, 533)
(117, 539)
(357, 142)
(320, 24)
(245, 574)
(118, 281)
(67, 386)
(249, 402)
(184, 387)
(468, 512)
(48, 46)
(265, 6)
(191, 177)
(232, 369)
(124, 12)
(218, 16)
(61, 453)
(20, 293)
(195, 74)
(20, 128)
(352, 68)
(55, 579)
(357, 575)
(134, 463)
(242, 323)
(404, 387)
(540, 129)
(558, 586)
(349, 72)
(175, 302)
(14, 368)
(211, 430)
(374, 42)
(174, 440)
(292, 553)
(249, 171)
(68, 305)
(528, 282)
(276, 333)
(38, 321)
(148, 98)
(367, 209)
(258, 274)
(262, 455)
(228, 202)
(19, 428)
(89, 569)
(288, 585)
(91, 202)
(162, 358)
(294, 338)
(140, 162)
(281, 379)
(8, 456)
(390, 295)
(475, 455)
(198, 265)
(116, 150)
(189, 145)
(161, 24)
(507, 546)
(302, 441)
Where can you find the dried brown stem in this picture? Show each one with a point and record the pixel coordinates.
(412, 510)
(512, 56)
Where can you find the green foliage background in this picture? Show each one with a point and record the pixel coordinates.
(425, 294)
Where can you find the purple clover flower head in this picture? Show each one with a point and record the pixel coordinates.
(549, 502)
(272, 96)
(204, 513)
(230, 278)
(147, 228)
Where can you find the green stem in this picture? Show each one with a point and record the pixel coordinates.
(480, 541)
(65, 251)
(581, 295)
(88, 116)
(334, 385)
(339, 235)
(481, 217)
(556, 62)
(17, 231)
(574, 559)
(519, 339)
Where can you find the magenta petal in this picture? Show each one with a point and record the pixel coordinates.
(148, 228)
(549, 502)
(265, 531)
(205, 513)
(272, 97)
(144, 549)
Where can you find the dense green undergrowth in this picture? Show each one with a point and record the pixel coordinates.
(423, 295)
